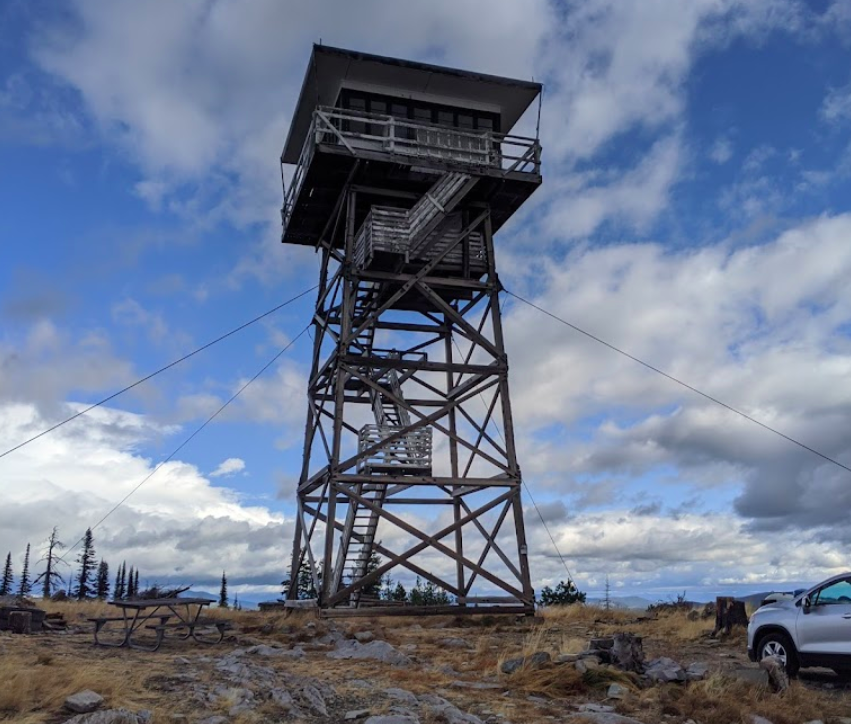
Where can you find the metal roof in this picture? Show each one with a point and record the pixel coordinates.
(330, 69)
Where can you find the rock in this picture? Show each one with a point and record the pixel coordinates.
(439, 708)
(275, 651)
(566, 658)
(364, 636)
(182, 660)
(356, 714)
(757, 719)
(585, 665)
(664, 670)
(535, 661)
(402, 695)
(814, 721)
(84, 701)
(602, 717)
(697, 671)
(599, 708)
(217, 719)
(393, 719)
(758, 677)
(453, 642)
(778, 679)
(314, 699)
(617, 691)
(282, 698)
(376, 650)
(112, 716)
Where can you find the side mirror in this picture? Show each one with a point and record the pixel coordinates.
(806, 604)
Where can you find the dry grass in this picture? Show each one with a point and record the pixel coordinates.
(722, 700)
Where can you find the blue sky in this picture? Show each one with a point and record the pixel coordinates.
(695, 212)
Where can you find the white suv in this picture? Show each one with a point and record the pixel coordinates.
(812, 629)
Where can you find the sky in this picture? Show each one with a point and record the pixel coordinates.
(695, 212)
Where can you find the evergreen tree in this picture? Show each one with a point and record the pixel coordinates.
(374, 589)
(237, 606)
(223, 592)
(120, 582)
(607, 601)
(304, 583)
(103, 580)
(85, 578)
(50, 577)
(563, 594)
(398, 593)
(8, 577)
(25, 584)
(130, 593)
(428, 594)
(136, 582)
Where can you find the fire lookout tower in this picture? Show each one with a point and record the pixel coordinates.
(403, 173)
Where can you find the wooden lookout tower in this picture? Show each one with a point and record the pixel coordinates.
(403, 173)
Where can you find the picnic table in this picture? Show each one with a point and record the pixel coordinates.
(183, 615)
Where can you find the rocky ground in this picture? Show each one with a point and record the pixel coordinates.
(408, 671)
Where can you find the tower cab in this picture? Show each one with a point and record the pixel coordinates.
(418, 143)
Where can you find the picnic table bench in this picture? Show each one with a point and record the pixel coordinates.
(157, 614)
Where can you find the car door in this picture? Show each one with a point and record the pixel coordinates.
(826, 627)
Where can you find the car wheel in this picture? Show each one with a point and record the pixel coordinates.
(778, 644)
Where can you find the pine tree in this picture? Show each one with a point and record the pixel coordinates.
(86, 559)
(118, 588)
(236, 604)
(103, 580)
(50, 577)
(8, 577)
(136, 582)
(131, 591)
(25, 584)
(607, 601)
(223, 592)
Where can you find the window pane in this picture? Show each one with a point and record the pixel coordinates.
(422, 114)
(446, 118)
(839, 592)
(485, 124)
(465, 120)
(378, 107)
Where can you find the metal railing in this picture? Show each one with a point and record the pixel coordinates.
(359, 131)
(408, 451)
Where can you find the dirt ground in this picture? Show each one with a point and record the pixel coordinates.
(273, 668)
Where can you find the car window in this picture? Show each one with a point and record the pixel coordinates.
(839, 592)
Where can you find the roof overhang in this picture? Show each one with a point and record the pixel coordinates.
(330, 69)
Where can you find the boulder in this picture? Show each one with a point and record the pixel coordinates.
(393, 719)
(356, 714)
(665, 670)
(84, 701)
(602, 717)
(617, 691)
(535, 661)
(375, 650)
(364, 637)
(403, 695)
(697, 671)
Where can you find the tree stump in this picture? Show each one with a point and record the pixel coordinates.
(628, 652)
(20, 622)
(728, 613)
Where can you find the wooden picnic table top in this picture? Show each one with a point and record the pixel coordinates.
(154, 602)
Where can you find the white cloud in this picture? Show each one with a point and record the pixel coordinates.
(758, 327)
(228, 467)
(836, 107)
(177, 526)
(721, 151)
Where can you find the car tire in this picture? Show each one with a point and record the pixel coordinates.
(778, 644)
